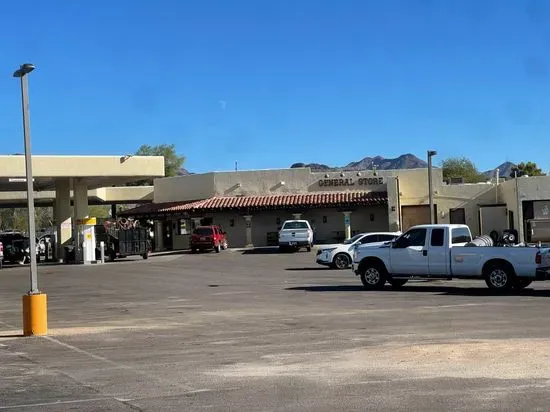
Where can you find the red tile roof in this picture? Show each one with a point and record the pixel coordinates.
(266, 202)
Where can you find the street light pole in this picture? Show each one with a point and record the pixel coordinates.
(22, 73)
(35, 316)
(431, 153)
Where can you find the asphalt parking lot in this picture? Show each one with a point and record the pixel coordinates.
(259, 331)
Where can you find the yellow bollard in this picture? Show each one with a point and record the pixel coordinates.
(35, 314)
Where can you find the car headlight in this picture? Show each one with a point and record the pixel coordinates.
(328, 250)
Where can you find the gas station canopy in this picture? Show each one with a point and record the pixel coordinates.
(95, 171)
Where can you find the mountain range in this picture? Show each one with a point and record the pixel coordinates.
(405, 161)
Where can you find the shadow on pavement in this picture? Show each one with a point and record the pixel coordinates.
(11, 336)
(335, 288)
(323, 268)
(170, 253)
(441, 290)
(262, 251)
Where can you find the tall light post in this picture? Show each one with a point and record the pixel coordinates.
(431, 153)
(34, 302)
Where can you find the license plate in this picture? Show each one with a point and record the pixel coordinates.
(292, 243)
(203, 238)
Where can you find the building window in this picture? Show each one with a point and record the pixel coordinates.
(183, 226)
(278, 221)
(372, 217)
(457, 216)
(231, 222)
(324, 219)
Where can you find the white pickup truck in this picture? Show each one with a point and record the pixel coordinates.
(440, 251)
(296, 234)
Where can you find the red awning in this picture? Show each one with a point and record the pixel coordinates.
(266, 202)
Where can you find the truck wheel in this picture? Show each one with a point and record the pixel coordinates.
(397, 283)
(217, 248)
(499, 278)
(308, 248)
(373, 276)
(145, 255)
(521, 283)
(341, 261)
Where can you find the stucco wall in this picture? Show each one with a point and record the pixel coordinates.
(467, 196)
(413, 183)
(534, 188)
(261, 182)
(184, 188)
(299, 180)
(507, 194)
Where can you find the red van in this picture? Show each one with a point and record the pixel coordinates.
(208, 237)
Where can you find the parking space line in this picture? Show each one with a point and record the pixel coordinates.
(461, 305)
(116, 364)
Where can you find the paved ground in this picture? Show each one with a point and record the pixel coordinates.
(268, 332)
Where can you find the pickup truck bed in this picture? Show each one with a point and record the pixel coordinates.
(440, 251)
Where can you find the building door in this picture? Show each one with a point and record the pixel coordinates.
(416, 215)
(492, 218)
(457, 216)
(167, 235)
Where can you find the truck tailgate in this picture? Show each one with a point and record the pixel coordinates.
(294, 234)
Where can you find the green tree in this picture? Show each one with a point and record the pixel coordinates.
(17, 218)
(100, 211)
(172, 161)
(456, 167)
(527, 168)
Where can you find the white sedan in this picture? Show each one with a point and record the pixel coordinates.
(339, 255)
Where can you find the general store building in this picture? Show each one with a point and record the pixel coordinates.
(252, 205)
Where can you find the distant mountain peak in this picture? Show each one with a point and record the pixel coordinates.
(184, 172)
(504, 170)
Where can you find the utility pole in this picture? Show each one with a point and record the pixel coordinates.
(35, 321)
(431, 153)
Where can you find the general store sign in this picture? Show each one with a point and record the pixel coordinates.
(350, 181)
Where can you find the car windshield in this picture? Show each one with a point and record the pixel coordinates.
(295, 225)
(353, 239)
(203, 231)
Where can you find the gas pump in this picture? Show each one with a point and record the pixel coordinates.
(86, 240)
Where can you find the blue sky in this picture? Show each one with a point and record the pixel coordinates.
(270, 83)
